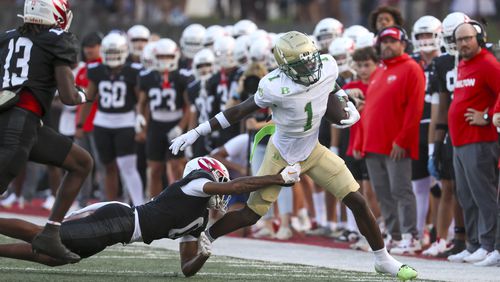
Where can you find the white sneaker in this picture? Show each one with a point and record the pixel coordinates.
(264, 232)
(436, 248)
(477, 256)
(492, 259)
(304, 220)
(408, 245)
(49, 202)
(390, 243)
(296, 224)
(459, 257)
(9, 201)
(284, 233)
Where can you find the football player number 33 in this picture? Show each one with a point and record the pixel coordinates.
(19, 56)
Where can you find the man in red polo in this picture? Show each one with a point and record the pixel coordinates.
(474, 139)
(391, 120)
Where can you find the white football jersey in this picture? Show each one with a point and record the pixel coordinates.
(297, 109)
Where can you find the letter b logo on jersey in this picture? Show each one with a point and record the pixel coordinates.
(285, 90)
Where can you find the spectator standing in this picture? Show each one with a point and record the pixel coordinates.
(474, 140)
(394, 105)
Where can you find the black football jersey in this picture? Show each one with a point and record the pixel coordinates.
(204, 101)
(431, 86)
(222, 85)
(116, 91)
(162, 95)
(29, 60)
(446, 75)
(173, 213)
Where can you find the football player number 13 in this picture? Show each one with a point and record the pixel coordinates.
(308, 109)
(20, 51)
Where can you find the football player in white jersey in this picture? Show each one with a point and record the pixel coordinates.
(298, 92)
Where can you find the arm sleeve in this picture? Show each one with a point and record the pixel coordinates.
(195, 188)
(415, 86)
(263, 96)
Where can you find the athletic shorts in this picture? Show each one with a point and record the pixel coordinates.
(324, 167)
(419, 167)
(157, 141)
(23, 138)
(108, 225)
(357, 168)
(114, 142)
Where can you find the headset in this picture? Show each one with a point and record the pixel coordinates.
(480, 32)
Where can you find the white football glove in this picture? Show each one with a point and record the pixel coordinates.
(352, 119)
(140, 122)
(174, 133)
(181, 142)
(204, 245)
(291, 174)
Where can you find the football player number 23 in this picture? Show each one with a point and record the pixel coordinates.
(308, 109)
(19, 55)
(112, 94)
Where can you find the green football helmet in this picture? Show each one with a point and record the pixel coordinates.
(298, 57)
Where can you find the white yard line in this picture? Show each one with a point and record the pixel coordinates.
(322, 257)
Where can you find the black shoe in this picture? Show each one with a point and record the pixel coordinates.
(49, 242)
(458, 246)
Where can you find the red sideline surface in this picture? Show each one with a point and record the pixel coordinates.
(34, 208)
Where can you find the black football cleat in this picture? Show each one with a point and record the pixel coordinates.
(48, 242)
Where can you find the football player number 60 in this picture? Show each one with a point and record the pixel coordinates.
(112, 94)
(20, 50)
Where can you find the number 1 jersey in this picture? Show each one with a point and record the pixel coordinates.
(297, 109)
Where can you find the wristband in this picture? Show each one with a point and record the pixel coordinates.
(431, 149)
(203, 129)
(224, 123)
(83, 98)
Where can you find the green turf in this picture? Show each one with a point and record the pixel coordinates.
(138, 263)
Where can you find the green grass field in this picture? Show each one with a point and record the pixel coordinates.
(138, 263)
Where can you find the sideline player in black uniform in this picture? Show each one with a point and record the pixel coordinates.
(114, 82)
(441, 163)
(36, 60)
(163, 89)
(223, 84)
(202, 102)
(426, 38)
(180, 211)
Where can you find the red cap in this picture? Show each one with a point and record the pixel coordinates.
(393, 32)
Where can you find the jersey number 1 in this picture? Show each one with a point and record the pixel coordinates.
(22, 59)
(309, 110)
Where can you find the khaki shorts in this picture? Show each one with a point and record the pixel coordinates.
(324, 167)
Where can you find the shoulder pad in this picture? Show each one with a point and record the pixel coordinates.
(186, 72)
(137, 66)
(93, 65)
(144, 72)
(326, 57)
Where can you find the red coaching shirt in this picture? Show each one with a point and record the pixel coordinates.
(82, 81)
(355, 130)
(394, 106)
(477, 87)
